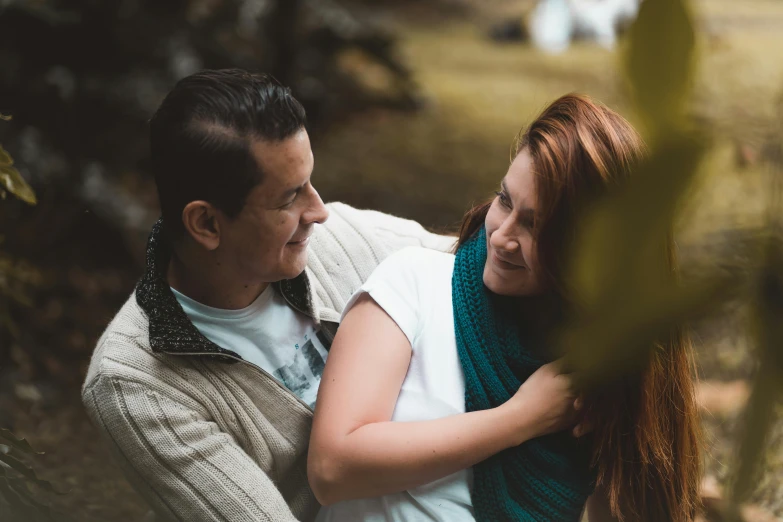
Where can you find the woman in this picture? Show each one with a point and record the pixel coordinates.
(438, 366)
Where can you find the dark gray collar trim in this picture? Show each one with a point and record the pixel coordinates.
(170, 330)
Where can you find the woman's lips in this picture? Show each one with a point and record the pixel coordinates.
(505, 265)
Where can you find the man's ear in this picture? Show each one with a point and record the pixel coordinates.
(201, 223)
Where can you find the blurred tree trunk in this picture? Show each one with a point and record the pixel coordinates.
(282, 27)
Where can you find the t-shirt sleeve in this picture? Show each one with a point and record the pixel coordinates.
(396, 285)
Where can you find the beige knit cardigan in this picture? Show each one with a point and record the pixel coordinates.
(205, 440)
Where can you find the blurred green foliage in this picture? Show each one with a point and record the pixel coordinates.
(629, 299)
(18, 481)
(16, 276)
(10, 179)
(619, 271)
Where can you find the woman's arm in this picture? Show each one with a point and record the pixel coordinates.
(356, 452)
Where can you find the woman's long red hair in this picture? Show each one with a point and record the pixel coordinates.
(646, 425)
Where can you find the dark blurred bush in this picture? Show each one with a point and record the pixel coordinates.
(82, 78)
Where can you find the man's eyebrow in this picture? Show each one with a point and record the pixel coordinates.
(294, 190)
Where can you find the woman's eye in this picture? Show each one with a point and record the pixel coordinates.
(503, 198)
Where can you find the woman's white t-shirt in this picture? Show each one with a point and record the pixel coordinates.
(413, 286)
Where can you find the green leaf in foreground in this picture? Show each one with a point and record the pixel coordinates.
(659, 62)
(768, 384)
(12, 181)
(620, 272)
(27, 472)
(11, 440)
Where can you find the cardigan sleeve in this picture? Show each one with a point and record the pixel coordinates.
(184, 465)
(393, 232)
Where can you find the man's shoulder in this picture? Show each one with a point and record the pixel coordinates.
(362, 229)
(125, 340)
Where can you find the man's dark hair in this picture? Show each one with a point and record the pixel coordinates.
(201, 134)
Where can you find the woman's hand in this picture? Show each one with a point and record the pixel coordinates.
(545, 403)
(356, 451)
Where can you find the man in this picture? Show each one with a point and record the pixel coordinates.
(204, 382)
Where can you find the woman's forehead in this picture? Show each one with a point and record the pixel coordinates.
(520, 181)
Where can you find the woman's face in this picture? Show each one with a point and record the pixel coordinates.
(512, 265)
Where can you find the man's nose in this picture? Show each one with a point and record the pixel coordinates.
(317, 211)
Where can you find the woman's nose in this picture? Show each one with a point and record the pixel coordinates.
(501, 240)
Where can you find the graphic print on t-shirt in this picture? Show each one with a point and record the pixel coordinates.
(303, 375)
(268, 334)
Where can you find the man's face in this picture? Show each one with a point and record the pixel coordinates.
(268, 240)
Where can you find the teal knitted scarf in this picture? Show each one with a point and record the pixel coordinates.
(544, 479)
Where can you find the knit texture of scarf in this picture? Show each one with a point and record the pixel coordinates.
(544, 479)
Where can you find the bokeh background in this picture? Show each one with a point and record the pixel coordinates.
(413, 106)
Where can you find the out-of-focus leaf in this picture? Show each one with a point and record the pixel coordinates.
(22, 505)
(759, 416)
(17, 295)
(615, 338)
(5, 159)
(620, 273)
(8, 323)
(18, 466)
(27, 472)
(768, 386)
(659, 62)
(12, 181)
(17, 494)
(10, 495)
(41, 510)
(9, 439)
(622, 240)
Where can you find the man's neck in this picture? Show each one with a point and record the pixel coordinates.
(206, 281)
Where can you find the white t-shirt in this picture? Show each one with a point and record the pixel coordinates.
(413, 286)
(269, 334)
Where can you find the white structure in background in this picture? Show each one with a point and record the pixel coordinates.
(553, 24)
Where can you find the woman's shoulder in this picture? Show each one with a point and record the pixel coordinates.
(405, 284)
(413, 268)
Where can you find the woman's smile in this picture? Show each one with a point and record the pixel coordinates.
(503, 264)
